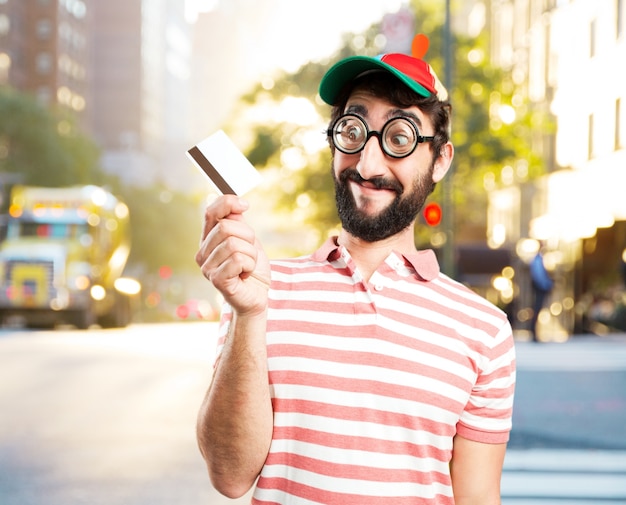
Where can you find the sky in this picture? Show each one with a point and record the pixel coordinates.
(319, 37)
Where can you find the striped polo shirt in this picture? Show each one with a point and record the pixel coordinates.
(370, 381)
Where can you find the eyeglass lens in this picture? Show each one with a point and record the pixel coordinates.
(398, 138)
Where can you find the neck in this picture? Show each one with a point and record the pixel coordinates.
(369, 255)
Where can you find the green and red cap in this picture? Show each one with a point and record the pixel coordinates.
(412, 70)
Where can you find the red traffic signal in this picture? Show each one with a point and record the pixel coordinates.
(432, 214)
(165, 272)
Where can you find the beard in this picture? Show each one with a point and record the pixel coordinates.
(397, 216)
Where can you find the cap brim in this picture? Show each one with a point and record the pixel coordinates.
(348, 69)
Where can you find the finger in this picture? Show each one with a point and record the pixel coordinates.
(227, 274)
(226, 238)
(233, 250)
(222, 231)
(228, 235)
(226, 206)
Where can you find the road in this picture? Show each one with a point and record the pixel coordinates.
(568, 444)
(104, 417)
(107, 417)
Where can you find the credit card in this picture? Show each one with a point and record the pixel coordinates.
(230, 172)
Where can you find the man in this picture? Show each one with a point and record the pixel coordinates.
(359, 374)
(542, 285)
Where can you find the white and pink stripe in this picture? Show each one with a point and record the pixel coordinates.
(370, 383)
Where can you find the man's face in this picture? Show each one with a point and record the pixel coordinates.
(378, 196)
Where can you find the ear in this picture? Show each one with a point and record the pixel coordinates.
(443, 162)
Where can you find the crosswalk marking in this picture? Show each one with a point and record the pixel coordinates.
(559, 477)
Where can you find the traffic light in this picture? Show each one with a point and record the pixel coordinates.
(165, 272)
(432, 214)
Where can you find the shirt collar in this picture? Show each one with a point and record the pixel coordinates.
(424, 262)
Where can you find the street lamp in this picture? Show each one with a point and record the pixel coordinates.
(447, 183)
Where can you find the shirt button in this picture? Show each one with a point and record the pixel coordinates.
(378, 287)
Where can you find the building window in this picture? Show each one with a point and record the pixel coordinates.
(44, 29)
(5, 24)
(44, 95)
(590, 146)
(5, 66)
(43, 63)
(592, 39)
(619, 142)
(77, 8)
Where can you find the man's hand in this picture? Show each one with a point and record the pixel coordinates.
(235, 421)
(231, 257)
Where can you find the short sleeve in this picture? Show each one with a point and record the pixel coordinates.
(487, 417)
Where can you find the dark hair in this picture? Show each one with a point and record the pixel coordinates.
(384, 85)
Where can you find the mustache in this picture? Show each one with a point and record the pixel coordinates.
(351, 174)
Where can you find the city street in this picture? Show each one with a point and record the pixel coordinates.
(107, 417)
(568, 444)
(104, 417)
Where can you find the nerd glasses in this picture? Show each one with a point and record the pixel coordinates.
(398, 138)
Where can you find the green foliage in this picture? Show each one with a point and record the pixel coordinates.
(165, 227)
(484, 143)
(313, 181)
(486, 147)
(41, 146)
(265, 146)
(45, 148)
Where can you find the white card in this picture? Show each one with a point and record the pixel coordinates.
(228, 169)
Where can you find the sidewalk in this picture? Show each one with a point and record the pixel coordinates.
(571, 395)
(579, 353)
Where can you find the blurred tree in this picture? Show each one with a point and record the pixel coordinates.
(166, 228)
(306, 192)
(43, 146)
(493, 128)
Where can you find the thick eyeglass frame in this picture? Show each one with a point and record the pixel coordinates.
(380, 135)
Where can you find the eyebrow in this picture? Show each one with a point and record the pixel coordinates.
(361, 110)
(358, 109)
(406, 114)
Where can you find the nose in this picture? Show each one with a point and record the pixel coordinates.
(372, 161)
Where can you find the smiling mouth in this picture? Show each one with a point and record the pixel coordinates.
(379, 183)
(367, 187)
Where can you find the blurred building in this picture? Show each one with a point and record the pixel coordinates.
(140, 75)
(45, 50)
(122, 66)
(566, 57)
